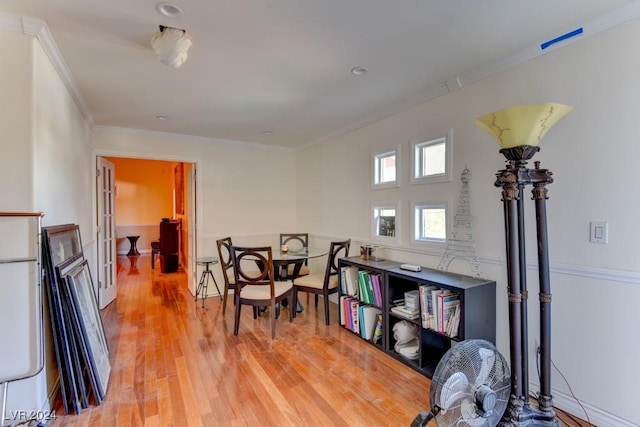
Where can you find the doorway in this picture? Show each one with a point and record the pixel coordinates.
(144, 192)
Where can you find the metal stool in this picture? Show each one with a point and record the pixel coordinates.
(204, 278)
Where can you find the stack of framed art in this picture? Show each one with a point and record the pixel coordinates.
(81, 349)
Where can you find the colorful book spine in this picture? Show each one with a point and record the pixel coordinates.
(377, 289)
(446, 302)
(377, 333)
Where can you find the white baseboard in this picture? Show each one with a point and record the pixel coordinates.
(597, 416)
(142, 252)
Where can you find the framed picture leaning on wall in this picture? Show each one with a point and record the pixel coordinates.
(84, 307)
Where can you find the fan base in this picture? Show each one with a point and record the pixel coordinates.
(520, 414)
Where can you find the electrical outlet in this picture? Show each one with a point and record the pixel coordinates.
(599, 232)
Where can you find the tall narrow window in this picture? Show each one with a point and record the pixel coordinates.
(431, 160)
(385, 171)
(430, 222)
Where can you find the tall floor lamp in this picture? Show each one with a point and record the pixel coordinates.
(518, 131)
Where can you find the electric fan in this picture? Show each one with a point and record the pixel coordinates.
(470, 387)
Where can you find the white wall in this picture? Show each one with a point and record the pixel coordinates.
(243, 190)
(45, 167)
(16, 181)
(593, 154)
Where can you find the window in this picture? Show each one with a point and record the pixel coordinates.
(431, 160)
(430, 222)
(384, 221)
(385, 171)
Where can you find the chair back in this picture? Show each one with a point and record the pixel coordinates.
(252, 266)
(295, 240)
(224, 253)
(338, 250)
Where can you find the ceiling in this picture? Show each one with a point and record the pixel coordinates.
(278, 71)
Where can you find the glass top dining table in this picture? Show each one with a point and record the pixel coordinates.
(297, 257)
(282, 259)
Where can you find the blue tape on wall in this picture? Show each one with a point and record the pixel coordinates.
(573, 33)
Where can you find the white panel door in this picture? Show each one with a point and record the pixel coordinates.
(192, 231)
(106, 232)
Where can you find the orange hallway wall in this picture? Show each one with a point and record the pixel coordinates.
(144, 195)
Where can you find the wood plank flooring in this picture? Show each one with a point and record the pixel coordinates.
(177, 364)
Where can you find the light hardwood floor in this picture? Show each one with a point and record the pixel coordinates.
(177, 364)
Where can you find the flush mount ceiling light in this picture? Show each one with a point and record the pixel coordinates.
(358, 71)
(169, 10)
(171, 45)
(162, 118)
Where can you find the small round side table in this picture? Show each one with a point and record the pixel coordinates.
(204, 278)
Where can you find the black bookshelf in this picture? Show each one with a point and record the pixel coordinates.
(477, 316)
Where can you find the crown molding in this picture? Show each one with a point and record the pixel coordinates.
(626, 13)
(192, 138)
(38, 29)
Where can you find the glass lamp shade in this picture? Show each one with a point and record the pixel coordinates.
(522, 125)
(171, 46)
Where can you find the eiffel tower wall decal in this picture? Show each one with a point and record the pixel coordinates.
(461, 244)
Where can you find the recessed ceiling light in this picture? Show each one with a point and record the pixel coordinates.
(358, 71)
(162, 118)
(267, 132)
(169, 10)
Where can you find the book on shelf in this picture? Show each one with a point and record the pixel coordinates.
(376, 281)
(349, 313)
(368, 318)
(370, 293)
(345, 315)
(402, 311)
(412, 299)
(354, 304)
(433, 308)
(454, 322)
(377, 332)
(366, 291)
(446, 308)
(349, 281)
(425, 303)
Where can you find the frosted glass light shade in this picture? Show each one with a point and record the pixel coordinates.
(522, 125)
(171, 46)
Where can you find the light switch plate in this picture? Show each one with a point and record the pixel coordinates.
(599, 232)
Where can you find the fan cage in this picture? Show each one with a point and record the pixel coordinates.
(465, 358)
